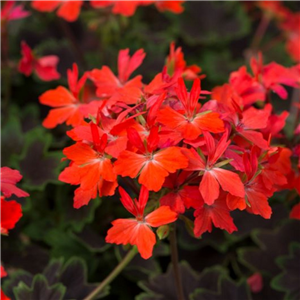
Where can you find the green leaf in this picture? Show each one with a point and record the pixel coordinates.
(162, 286)
(39, 290)
(228, 289)
(38, 165)
(271, 244)
(288, 280)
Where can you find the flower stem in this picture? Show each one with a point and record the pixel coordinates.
(174, 258)
(130, 255)
(261, 29)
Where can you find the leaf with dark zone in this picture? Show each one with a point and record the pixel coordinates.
(228, 289)
(271, 245)
(39, 290)
(208, 280)
(68, 280)
(38, 165)
(288, 280)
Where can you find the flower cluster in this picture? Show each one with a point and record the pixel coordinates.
(70, 10)
(211, 157)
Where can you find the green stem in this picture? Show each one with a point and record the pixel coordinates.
(261, 29)
(130, 255)
(174, 258)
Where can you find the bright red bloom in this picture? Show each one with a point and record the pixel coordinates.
(291, 29)
(295, 212)
(213, 176)
(176, 64)
(273, 75)
(11, 212)
(68, 106)
(2, 272)
(44, 67)
(152, 166)
(9, 179)
(68, 10)
(3, 296)
(174, 6)
(125, 8)
(217, 214)
(247, 122)
(191, 121)
(256, 193)
(120, 88)
(181, 196)
(273, 9)
(10, 11)
(92, 170)
(137, 231)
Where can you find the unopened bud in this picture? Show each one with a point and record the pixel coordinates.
(163, 231)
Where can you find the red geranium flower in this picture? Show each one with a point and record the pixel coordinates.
(11, 213)
(9, 179)
(190, 121)
(151, 165)
(69, 107)
(137, 231)
(120, 88)
(68, 10)
(44, 67)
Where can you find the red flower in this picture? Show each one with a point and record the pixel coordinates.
(120, 88)
(92, 169)
(191, 121)
(213, 176)
(68, 107)
(137, 231)
(2, 272)
(3, 296)
(9, 179)
(217, 214)
(256, 193)
(174, 6)
(45, 67)
(181, 196)
(151, 166)
(11, 212)
(125, 8)
(10, 11)
(68, 10)
(295, 212)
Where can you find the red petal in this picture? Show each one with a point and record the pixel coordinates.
(218, 214)
(9, 179)
(209, 188)
(161, 216)
(230, 182)
(11, 212)
(70, 10)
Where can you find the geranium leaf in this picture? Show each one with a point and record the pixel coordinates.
(154, 288)
(228, 289)
(39, 290)
(288, 280)
(271, 245)
(38, 165)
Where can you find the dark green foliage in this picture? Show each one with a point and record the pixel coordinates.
(288, 280)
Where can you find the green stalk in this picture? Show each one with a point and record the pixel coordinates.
(130, 255)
